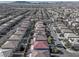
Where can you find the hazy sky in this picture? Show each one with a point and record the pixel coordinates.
(5, 1)
(39, 0)
(8, 1)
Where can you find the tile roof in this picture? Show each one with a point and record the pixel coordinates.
(41, 37)
(40, 53)
(39, 29)
(10, 44)
(40, 45)
(66, 30)
(72, 35)
(15, 37)
(21, 29)
(19, 33)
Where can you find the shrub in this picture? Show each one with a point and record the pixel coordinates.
(49, 39)
(56, 51)
(68, 44)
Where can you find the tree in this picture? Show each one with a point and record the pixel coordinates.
(50, 40)
(68, 44)
(55, 50)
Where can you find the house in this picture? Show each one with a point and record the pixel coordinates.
(41, 37)
(73, 39)
(40, 53)
(10, 45)
(39, 29)
(21, 29)
(19, 33)
(41, 45)
(40, 26)
(66, 30)
(15, 38)
(5, 52)
(24, 25)
(74, 43)
(72, 35)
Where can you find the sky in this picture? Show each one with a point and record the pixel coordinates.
(38, 0)
(9, 1)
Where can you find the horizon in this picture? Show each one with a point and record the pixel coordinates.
(36, 1)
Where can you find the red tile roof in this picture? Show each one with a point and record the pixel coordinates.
(40, 53)
(41, 45)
